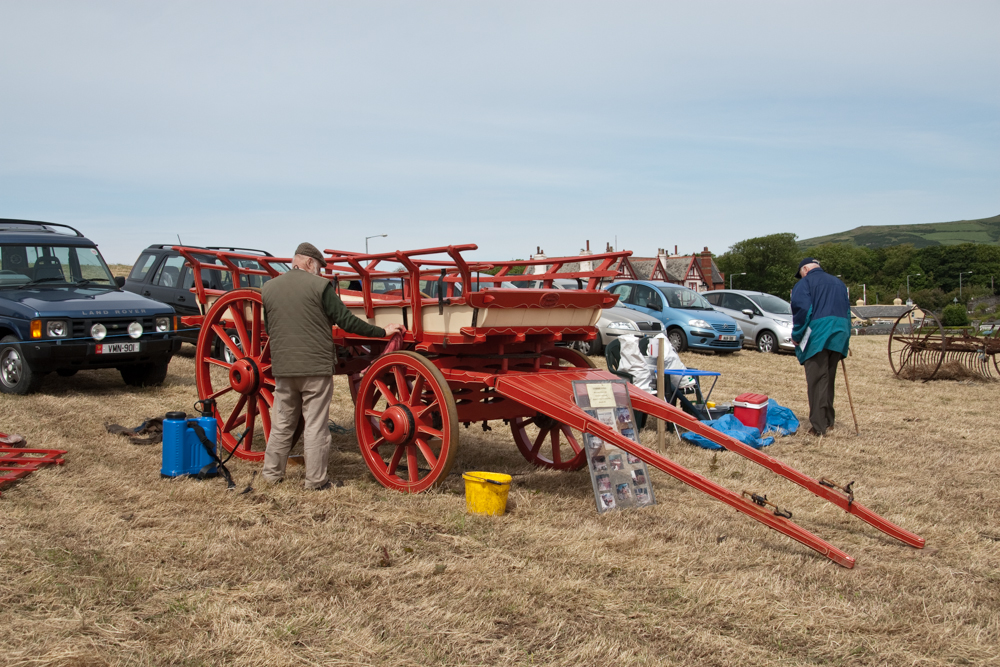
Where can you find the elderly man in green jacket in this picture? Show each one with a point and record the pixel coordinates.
(821, 330)
(300, 307)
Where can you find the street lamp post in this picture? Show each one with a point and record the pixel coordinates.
(908, 285)
(960, 274)
(372, 237)
(864, 294)
(731, 278)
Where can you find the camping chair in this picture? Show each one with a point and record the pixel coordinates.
(612, 354)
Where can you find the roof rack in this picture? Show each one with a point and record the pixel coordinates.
(168, 246)
(232, 249)
(33, 224)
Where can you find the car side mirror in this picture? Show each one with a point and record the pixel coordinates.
(748, 313)
(120, 281)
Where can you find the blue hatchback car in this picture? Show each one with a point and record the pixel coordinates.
(690, 320)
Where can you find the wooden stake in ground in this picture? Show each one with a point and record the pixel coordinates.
(661, 380)
(843, 367)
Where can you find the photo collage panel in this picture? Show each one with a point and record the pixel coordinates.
(620, 478)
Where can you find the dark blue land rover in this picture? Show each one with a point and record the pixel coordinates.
(62, 310)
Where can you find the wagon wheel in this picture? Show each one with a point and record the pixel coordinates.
(243, 388)
(542, 440)
(916, 351)
(406, 421)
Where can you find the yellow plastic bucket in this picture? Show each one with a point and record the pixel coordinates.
(486, 492)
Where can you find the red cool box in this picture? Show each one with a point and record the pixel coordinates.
(751, 410)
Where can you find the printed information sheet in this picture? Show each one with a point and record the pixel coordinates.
(620, 479)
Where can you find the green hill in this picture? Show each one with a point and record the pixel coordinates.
(984, 230)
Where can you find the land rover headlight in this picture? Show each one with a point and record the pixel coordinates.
(162, 324)
(56, 329)
(135, 329)
(623, 325)
(98, 331)
(699, 324)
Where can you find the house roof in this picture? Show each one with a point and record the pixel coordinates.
(677, 267)
(643, 266)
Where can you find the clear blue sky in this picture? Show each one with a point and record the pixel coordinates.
(506, 124)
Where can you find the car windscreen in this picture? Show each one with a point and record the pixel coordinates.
(682, 297)
(772, 304)
(51, 265)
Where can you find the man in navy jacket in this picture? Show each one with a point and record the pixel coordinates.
(821, 331)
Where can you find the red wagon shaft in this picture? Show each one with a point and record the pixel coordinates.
(474, 351)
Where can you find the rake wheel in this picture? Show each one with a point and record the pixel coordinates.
(917, 352)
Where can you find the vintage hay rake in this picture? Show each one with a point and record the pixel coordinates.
(921, 350)
(473, 352)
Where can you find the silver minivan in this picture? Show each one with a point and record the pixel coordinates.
(765, 319)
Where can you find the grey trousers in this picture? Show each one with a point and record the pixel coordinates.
(308, 397)
(821, 372)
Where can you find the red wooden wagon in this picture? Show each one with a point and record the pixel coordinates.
(474, 352)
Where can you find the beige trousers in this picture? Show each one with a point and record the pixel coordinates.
(308, 397)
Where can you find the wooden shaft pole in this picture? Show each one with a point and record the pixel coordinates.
(850, 400)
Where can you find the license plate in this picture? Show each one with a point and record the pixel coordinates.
(727, 338)
(117, 348)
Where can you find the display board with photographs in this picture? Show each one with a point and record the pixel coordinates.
(620, 479)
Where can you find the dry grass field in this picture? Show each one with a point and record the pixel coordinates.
(102, 562)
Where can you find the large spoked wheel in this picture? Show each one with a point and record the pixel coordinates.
(916, 349)
(542, 440)
(406, 421)
(239, 380)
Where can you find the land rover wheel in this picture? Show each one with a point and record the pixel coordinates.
(16, 376)
(145, 375)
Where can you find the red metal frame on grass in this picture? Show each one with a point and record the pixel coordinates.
(17, 463)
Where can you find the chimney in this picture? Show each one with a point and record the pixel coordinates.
(859, 302)
(661, 257)
(706, 267)
(586, 265)
(897, 301)
(540, 268)
(675, 251)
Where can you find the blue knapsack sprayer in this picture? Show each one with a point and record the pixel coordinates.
(189, 445)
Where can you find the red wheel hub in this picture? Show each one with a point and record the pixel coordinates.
(244, 376)
(397, 425)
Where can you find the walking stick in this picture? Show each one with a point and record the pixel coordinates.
(843, 367)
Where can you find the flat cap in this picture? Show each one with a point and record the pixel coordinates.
(807, 260)
(309, 250)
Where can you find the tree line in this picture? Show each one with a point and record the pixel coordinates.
(770, 262)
